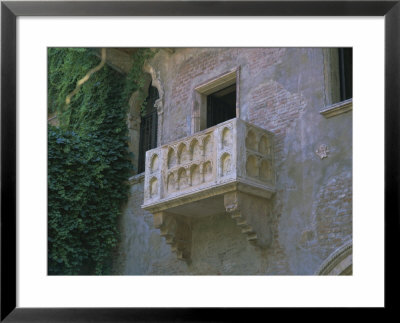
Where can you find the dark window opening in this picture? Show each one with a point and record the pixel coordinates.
(148, 127)
(346, 73)
(221, 106)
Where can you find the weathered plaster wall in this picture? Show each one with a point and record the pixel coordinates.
(281, 90)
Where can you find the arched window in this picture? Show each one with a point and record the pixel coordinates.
(148, 127)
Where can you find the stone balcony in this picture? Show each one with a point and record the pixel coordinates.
(228, 168)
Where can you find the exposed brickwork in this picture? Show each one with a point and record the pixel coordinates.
(260, 59)
(275, 109)
(333, 214)
(196, 69)
(181, 100)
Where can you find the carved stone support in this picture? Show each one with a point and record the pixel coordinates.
(177, 233)
(251, 214)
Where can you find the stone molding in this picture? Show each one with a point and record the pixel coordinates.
(322, 151)
(337, 108)
(338, 261)
(217, 83)
(156, 82)
(234, 186)
(135, 103)
(251, 214)
(136, 179)
(331, 75)
(177, 233)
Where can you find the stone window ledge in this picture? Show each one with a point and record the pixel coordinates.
(139, 178)
(337, 108)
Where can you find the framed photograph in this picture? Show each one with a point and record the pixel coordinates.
(167, 160)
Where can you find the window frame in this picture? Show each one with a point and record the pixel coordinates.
(203, 90)
(334, 104)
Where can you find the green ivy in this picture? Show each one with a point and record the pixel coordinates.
(88, 160)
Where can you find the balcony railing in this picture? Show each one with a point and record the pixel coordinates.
(233, 152)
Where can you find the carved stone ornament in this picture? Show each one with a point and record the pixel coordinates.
(251, 214)
(177, 233)
(322, 151)
(228, 168)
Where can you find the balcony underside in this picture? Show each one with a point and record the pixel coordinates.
(250, 212)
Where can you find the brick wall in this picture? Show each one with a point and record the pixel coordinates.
(333, 214)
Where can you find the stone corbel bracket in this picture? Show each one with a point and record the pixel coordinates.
(251, 214)
(177, 233)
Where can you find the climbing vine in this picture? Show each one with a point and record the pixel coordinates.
(88, 159)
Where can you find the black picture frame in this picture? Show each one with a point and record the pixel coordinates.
(11, 10)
